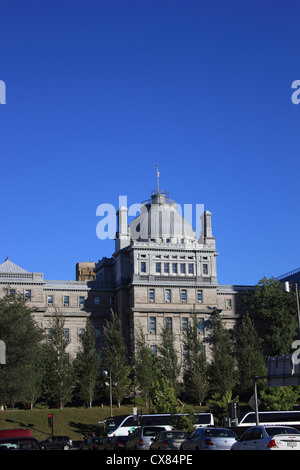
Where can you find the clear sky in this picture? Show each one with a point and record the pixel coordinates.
(99, 91)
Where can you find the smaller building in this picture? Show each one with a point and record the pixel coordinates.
(76, 301)
(85, 271)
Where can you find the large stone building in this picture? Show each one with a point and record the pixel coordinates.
(159, 272)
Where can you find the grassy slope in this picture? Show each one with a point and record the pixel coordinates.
(72, 422)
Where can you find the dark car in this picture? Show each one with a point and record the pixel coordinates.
(93, 443)
(19, 443)
(57, 443)
(106, 441)
(117, 443)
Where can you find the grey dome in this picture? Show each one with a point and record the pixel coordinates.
(159, 219)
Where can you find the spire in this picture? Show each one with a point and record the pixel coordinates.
(157, 176)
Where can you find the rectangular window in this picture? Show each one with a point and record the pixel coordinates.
(158, 267)
(66, 300)
(168, 295)
(166, 268)
(199, 296)
(97, 334)
(12, 292)
(205, 268)
(201, 325)
(183, 295)
(49, 333)
(81, 301)
(81, 332)
(228, 304)
(184, 323)
(191, 268)
(170, 322)
(28, 294)
(185, 352)
(143, 266)
(67, 334)
(112, 301)
(182, 268)
(152, 325)
(151, 295)
(174, 268)
(50, 300)
(97, 301)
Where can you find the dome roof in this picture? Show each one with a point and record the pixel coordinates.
(159, 219)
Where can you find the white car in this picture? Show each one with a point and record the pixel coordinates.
(269, 438)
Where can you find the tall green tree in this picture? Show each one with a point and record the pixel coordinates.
(20, 376)
(277, 310)
(115, 359)
(250, 359)
(167, 356)
(279, 398)
(222, 369)
(145, 367)
(162, 395)
(194, 364)
(63, 377)
(87, 366)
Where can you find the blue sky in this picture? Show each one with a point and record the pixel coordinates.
(99, 91)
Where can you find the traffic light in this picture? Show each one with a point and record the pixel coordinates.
(50, 420)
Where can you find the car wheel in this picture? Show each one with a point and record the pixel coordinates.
(66, 447)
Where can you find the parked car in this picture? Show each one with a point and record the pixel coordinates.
(19, 443)
(57, 443)
(117, 443)
(168, 440)
(269, 438)
(105, 442)
(142, 437)
(210, 439)
(92, 443)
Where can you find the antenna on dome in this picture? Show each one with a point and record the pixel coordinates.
(157, 175)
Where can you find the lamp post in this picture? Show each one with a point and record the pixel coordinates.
(105, 373)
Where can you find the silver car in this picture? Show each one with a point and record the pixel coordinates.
(168, 440)
(210, 439)
(269, 438)
(142, 437)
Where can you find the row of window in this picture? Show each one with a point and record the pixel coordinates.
(184, 324)
(168, 295)
(185, 351)
(66, 299)
(174, 268)
(66, 333)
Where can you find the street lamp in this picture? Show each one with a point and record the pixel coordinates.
(105, 373)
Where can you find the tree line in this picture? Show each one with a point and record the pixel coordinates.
(38, 368)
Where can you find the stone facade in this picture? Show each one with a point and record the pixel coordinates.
(75, 300)
(159, 271)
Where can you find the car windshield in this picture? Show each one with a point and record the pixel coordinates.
(19, 444)
(176, 435)
(219, 433)
(274, 430)
(151, 431)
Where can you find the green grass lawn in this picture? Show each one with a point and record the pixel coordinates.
(72, 422)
